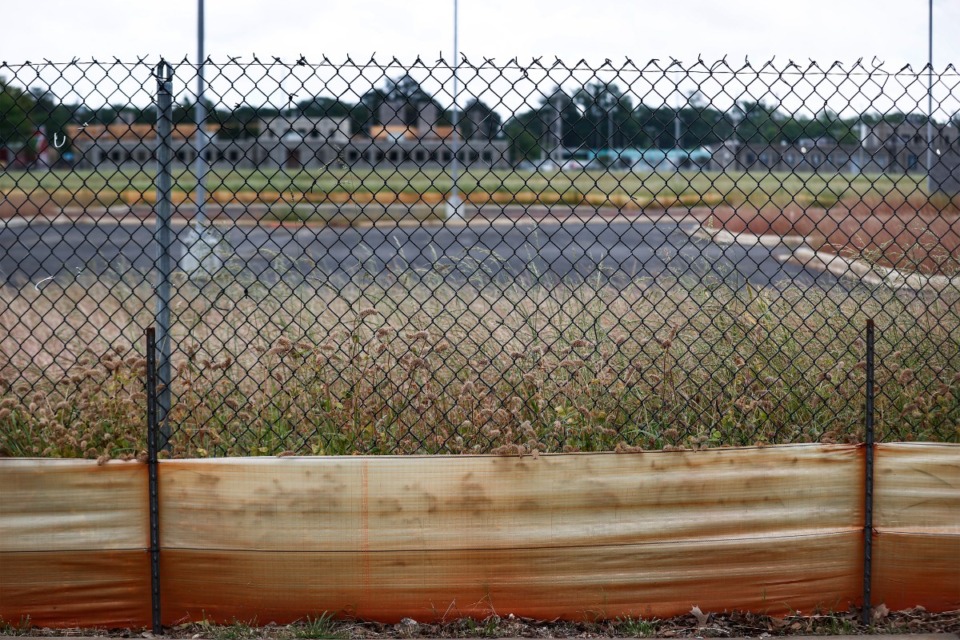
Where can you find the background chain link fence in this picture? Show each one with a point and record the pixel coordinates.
(558, 258)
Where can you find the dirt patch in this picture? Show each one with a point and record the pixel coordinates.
(909, 234)
(19, 203)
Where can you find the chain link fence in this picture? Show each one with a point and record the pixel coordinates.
(349, 258)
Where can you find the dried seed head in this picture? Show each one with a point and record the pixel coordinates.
(281, 348)
(366, 313)
(508, 450)
(906, 376)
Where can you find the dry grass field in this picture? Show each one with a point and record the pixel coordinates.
(425, 368)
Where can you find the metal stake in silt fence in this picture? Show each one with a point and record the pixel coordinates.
(868, 484)
(153, 479)
(164, 241)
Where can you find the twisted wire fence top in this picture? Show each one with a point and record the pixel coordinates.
(346, 257)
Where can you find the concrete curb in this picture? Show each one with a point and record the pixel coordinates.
(802, 255)
(871, 274)
(724, 237)
(533, 216)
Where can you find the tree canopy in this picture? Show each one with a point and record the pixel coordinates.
(597, 115)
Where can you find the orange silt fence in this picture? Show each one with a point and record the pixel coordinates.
(572, 536)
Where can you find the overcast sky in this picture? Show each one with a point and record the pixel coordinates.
(826, 30)
(893, 31)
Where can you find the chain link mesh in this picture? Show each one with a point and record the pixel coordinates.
(558, 258)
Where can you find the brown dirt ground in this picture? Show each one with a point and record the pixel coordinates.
(709, 625)
(906, 234)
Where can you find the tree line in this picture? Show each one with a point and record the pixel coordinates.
(596, 115)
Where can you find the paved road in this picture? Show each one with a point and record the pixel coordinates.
(615, 251)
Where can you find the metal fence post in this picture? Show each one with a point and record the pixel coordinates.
(164, 239)
(868, 484)
(153, 482)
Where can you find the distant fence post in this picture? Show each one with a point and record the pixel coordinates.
(153, 483)
(868, 484)
(164, 240)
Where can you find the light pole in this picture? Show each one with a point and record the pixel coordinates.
(200, 259)
(678, 143)
(610, 130)
(200, 116)
(455, 203)
(556, 128)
